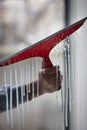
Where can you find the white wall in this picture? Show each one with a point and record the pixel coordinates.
(79, 68)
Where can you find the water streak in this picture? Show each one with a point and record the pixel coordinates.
(37, 69)
(17, 96)
(32, 79)
(7, 113)
(16, 82)
(23, 78)
(66, 91)
(11, 111)
(27, 84)
(21, 81)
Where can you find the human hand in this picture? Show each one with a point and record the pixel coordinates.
(48, 80)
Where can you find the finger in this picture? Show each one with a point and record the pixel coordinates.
(49, 71)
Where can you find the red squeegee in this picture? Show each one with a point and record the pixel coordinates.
(43, 47)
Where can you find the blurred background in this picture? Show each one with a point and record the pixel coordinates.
(24, 22)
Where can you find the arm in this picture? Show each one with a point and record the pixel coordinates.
(47, 84)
